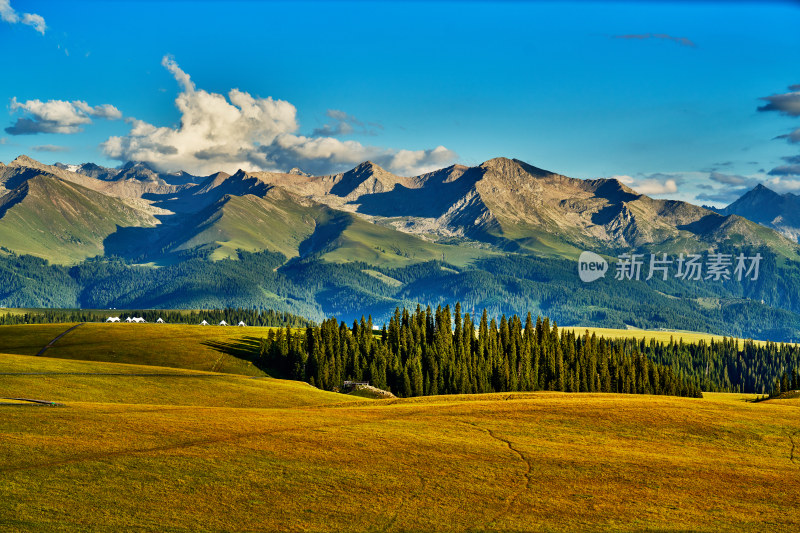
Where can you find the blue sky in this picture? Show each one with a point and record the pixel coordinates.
(663, 95)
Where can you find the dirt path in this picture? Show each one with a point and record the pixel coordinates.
(52, 342)
(525, 481)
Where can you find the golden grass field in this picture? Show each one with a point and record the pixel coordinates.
(659, 336)
(149, 448)
(210, 348)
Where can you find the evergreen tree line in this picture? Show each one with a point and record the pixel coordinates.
(251, 317)
(427, 353)
(728, 365)
(787, 382)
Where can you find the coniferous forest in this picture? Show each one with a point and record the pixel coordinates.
(421, 353)
(429, 352)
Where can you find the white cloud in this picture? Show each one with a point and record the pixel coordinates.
(657, 187)
(252, 133)
(37, 21)
(180, 76)
(421, 161)
(9, 14)
(624, 178)
(783, 184)
(107, 111)
(652, 184)
(57, 116)
(691, 186)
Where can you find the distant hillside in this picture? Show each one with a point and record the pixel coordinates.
(49, 217)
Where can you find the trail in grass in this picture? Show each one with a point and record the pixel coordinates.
(52, 342)
(527, 475)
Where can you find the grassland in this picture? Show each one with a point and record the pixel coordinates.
(165, 449)
(659, 336)
(208, 348)
(66, 380)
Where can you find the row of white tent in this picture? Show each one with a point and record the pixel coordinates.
(241, 323)
(140, 320)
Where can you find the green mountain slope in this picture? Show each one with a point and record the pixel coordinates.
(63, 222)
(361, 241)
(277, 222)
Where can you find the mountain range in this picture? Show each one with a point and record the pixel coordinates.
(502, 235)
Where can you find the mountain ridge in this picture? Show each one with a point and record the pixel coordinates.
(504, 203)
(503, 235)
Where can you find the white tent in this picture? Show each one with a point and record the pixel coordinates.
(139, 320)
(203, 323)
(223, 323)
(129, 320)
(112, 319)
(160, 320)
(241, 324)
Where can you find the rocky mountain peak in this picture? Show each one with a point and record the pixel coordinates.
(25, 161)
(366, 178)
(513, 168)
(137, 165)
(297, 172)
(763, 190)
(368, 166)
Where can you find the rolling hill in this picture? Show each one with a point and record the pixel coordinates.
(169, 449)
